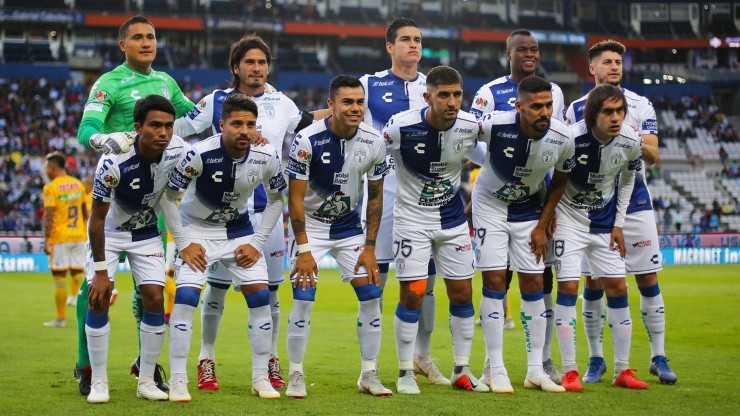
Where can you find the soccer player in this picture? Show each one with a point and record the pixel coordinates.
(523, 53)
(65, 216)
(126, 197)
(387, 93)
(249, 62)
(218, 177)
(590, 224)
(428, 146)
(523, 147)
(640, 232)
(325, 168)
(107, 123)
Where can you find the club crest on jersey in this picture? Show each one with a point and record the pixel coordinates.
(252, 176)
(457, 145)
(165, 93)
(547, 156)
(269, 110)
(616, 159)
(400, 265)
(100, 96)
(360, 156)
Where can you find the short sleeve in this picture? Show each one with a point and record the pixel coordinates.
(50, 199)
(482, 102)
(188, 168)
(299, 159)
(107, 177)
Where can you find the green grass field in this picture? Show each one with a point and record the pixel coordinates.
(702, 342)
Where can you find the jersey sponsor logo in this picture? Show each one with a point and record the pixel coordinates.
(643, 243)
(381, 169)
(462, 130)
(622, 145)
(457, 144)
(463, 248)
(650, 125)
(341, 178)
(277, 182)
(94, 107)
(437, 167)
(223, 215)
(512, 192)
(364, 140)
(334, 207)
(279, 253)
(590, 200)
(553, 141)
(436, 193)
(320, 142)
(178, 181)
(507, 135)
(296, 167)
(193, 113)
(383, 83)
(129, 168)
(360, 156)
(594, 177)
(522, 171)
(229, 197)
(257, 162)
(100, 191)
(144, 218)
(172, 156)
(481, 102)
(635, 164)
(582, 145)
(506, 91)
(547, 156)
(211, 160)
(148, 198)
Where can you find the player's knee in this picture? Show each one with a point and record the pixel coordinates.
(367, 292)
(307, 294)
(258, 299)
(187, 296)
(495, 280)
(646, 280)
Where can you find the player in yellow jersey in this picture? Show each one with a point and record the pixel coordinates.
(65, 235)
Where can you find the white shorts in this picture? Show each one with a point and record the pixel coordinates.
(68, 256)
(451, 250)
(571, 246)
(345, 252)
(169, 257)
(222, 251)
(641, 239)
(498, 241)
(146, 259)
(384, 240)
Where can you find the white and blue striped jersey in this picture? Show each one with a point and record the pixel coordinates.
(387, 95)
(133, 187)
(602, 173)
(517, 166)
(641, 117)
(277, 116)
(428, 166)
(217, 188)
(334, 167)
(500, 95)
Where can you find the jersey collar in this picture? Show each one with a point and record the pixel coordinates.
(394, 76)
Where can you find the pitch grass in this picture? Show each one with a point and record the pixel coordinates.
(702, 342)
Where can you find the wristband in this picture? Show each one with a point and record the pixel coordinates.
(303, 248)
(100, 266)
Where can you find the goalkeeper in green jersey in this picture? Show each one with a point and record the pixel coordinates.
(108, 116)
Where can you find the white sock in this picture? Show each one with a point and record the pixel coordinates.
(275, 314)
(97, 347)
(369, 329)
(653, 316)
(549, 328)
(594, 314)
(259, 337)
(621, 327)
(565, 325)
(152, 339)
(462, 326)
(405, 332)
(298, 330)
(383, 280)
(211, 310)
(181, 331)
(492, 322)
(534, 323)
(426, 320)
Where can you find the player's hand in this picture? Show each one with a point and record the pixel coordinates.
(368, 260)
(194, 255)
(99, 293)
(538, 243)
(305, 271)
(48, 249)
(552, 226)
(115, 143)
(616, 242)
(246, 255)
(259, 139)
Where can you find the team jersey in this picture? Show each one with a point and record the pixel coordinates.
(112, 98)
(500, 95)
(66, 195)
(217, 188)
(591, 200)
(133, 187)
(428, 166)
(277, 116)
(641, 117)
(517, 165)
(334, 167)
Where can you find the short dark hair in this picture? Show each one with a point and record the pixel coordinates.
(237, 102)
(241, 47)
(443, 75)
(391, 31)
(597, 97)
(605, 45)
(532, 85)
(343, 81)
(512, 35)
(56, 158)
(152, 103)
(136, 19)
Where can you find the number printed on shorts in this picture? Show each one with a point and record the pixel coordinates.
(559, 247)
(480, 234)
(403, 246)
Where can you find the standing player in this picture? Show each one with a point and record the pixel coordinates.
(218, 177)
(590, 221)
(65, 216)
(126, 198)
(523, 53)
(327, 162)
(387, 93)
(640, 232)
(428, 146)
(249, 62)
(107, 118)
(523, 147)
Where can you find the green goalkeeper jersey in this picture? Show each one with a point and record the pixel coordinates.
(110, 106)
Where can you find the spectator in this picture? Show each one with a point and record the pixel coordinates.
(678, 219)
(723, 155)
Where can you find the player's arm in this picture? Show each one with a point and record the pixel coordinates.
(100, 287)
(85, 214)
(373, 214)
(482, 102)
(648, 132)
(650, 152)
(48, 227)
(538, 243)
(626, 185)
(305, 270)
(197, 119)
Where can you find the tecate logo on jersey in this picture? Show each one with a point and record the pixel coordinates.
(506, 91)
(212, 160)
(507, 135)
(130, 168)
(462, 130)
(382, 83)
